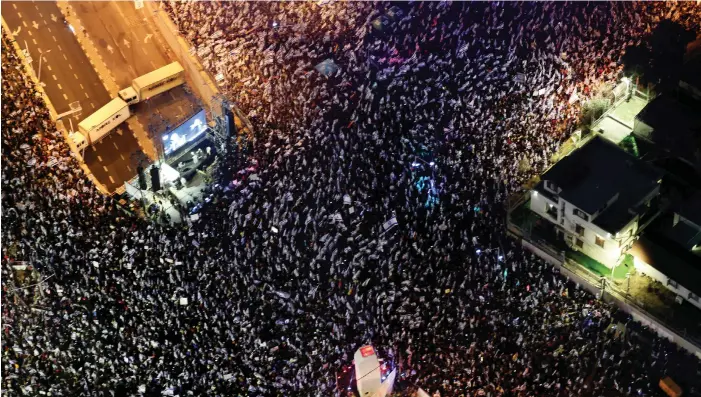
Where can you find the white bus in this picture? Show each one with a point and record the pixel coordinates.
(153, 83)
(104, 120)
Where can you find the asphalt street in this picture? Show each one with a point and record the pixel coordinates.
(70, 78)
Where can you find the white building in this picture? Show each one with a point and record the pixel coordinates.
(670, 250)
(598, 199)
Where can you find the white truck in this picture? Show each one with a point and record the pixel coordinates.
(153, 83)
(102, 122)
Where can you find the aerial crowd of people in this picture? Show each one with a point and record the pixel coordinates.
(370, 210)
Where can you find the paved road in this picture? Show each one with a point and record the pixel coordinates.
(124, 37)
(65, 69)
(69, 78)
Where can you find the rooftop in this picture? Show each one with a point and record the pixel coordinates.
(676, 127)
(593, 175)
(662, 254)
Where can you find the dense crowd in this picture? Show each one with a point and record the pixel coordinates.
(370, 211)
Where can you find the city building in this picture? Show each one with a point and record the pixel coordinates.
(670, 249)
(598, 199)
(673, 125)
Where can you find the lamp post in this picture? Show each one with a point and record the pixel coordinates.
(41, 58)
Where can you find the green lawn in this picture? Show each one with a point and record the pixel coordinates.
(599, 268)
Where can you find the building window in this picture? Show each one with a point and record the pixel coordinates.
(551, 185)
(579, 229)
(672, 283)
(581, 214)
(600, 241)
(552, 211)
(693, 297)
(579, 243)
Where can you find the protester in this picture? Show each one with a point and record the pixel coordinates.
(369, 211)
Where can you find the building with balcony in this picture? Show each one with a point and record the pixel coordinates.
(598, 199)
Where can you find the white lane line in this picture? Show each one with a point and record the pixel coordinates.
(115, 145)
(59, 87)
(34, 41)
(48, 66)
(30, 32)
(99, 158)
(86, 95)
(15, 7)
(65, 96)
(105, 168)
(81, 86)
(112, 179)
(76, 77)
(49, 29)
(153, 64)
(59, 47)
(64, 57)
(70, 67)
(142, 49)
(129, 168)
(122, 156)
(40, 15)
(54, 37)
(54, 76)
(92, 104)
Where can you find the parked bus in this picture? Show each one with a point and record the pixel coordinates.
(103, 121)
(153, 83)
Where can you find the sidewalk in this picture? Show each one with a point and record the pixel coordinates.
(105, 75)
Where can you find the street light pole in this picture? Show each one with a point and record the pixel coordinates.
(41, 58)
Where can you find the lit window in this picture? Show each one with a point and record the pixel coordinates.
(600, 241)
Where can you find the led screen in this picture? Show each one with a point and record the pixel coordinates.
(186, 132)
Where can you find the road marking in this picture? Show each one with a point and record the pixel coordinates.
(81, 86)
(71, 67)
(34, 41)
(115, 145)
(92, 104)
(86, 95)
(35, 24)
(65, 96)
(24, 23)
(59, 47)
(129, 168)
(121, 156)
(105, 168)
(18, 14)
(49, 29)
(15, 7)
(110, 49)
(54, 37)
(144, 50)
(76, 77)
(59, 87)
(153, 64)
(30, 32)
(148, 36)
(54, 76)
(99, 158)
(64, 57)
(112, 179)
(39, 13)
(48, 66)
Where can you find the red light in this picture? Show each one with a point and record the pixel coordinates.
(366, 351)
